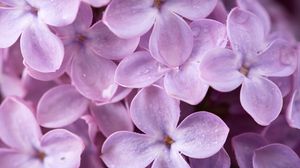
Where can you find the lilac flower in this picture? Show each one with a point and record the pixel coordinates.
(41, 49)
(27, 147)
(250, 63)
(141, 70)
(200, 135)
(218, 160)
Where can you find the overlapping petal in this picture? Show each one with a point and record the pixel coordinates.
(201, 135)
(97, 3)
(262, 99)
(128, 19)
(171, 41)
(293, 110)
(170, 158)
(218, 160)
(61, 106)
(12, 159)
(154, 112)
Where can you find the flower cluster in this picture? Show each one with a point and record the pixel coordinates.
(149, 83)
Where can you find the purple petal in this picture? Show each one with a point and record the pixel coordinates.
(275, 155)
(154, 112)
(128, 19)
(178, 84)
(93, 76)
(138, 70)
(97, 3)
(262, 99)
(220, 69)
(218, 160)
(13, 159)
(41, 49)
(242, 26)
(255, 7)
(192, 10)
(13, 22)
(60, 106)
(11, 86)
(58, 12)
(170, 159)
(112, 117)
(62, 149)
(244, 145)
(15, 117)
(201, 130)
(14, 2)
(284, 84)
(208, 34)
(293, 110)
(129, 150)
(279, 59)
(106, 44)
(171, 41)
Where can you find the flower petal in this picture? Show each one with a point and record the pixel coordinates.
(262, 99)
(128, 19)
(154, 112)
(58, 12)
(129, 150)
(13, 22)
(12, 159)
(242, 26)
(293, 110)
(15, 117)
(60, 106)
(244, 145)
(201, 135)
(97, 3)
(220, 69)
(208, 34)
(255, 7)
(178, 84)
(93, 76)
(279, 59)
(138, 70)
(170, 159)
(218, 160)
(62, 149)
(111, 118)
(171, 41)
(193, 10)
(275, 155)
(106, 44)
(11, 86)
(41, 49)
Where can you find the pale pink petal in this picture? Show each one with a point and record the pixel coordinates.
(284, 84)
(244, 146)
(220, 69)
(170, 159)
(129, 150)
(93, 76)
(242, 27)
(293, 110)
(60, 106)
(129, 19)
(201, 135)
(193, 10)
(62, 148)
(13, 22)
(41, 49)
(18, 126)
(154, 112)
(279, 59)
(208, 34)
(11, 86)
(218, 160)
(255, 7)
(112, 117)
(185, 84)
(138, 70)
(275, 156)
(106, 44)
(12, 159)
(58, 12)
(97, 3)
(219, 13)
(13, 2)
(262, 99)
(171, 41)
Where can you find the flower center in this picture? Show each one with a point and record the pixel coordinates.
(81, 38)
(244, 70)
(158, 3)
(41, 155)
(168, 140)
